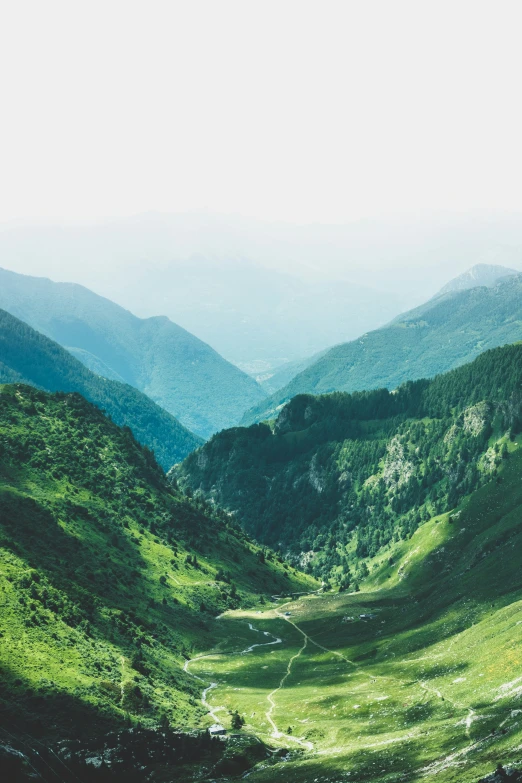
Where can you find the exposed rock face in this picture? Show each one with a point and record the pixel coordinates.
(474, 419)
(137, 754)
(15, 765)
(316, 475)
(397, 469)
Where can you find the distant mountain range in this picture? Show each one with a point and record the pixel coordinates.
(447, 331)
(282, 375)
(178, 371)
(29, 357)
(265, 292)
(479, 275)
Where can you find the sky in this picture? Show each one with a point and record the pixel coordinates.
(301, 111)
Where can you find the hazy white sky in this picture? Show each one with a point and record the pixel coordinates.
(302, 111)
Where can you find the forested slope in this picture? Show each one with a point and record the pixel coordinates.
(339, 476)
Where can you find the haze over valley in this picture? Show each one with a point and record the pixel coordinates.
(262, 293)
(260, 392)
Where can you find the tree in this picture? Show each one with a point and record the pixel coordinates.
(237, 721)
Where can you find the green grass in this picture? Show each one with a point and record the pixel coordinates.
(429, 688)
(93, 539)
(99, 606)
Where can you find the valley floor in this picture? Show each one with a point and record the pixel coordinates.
(313, 682)
(419, 677)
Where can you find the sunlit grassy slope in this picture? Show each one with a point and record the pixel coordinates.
(109, 577)
(429, 687)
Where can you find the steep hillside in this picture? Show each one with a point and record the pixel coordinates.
(443, 333)
(28, 357)
(179, 372)
(365, 469)
(111, 579)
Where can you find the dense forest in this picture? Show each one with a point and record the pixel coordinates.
(29, 357)
(337, 477)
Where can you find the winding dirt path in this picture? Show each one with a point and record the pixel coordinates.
(471, 716)
(212, 711)
(276, 733)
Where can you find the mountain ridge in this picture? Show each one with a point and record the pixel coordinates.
(435, 337)
(176, 370)
(111, 576)
(478, 275)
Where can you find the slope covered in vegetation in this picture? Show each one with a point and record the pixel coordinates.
(414, 678)
(110, 577)
(442, 334)
(182, 374)
(28, 357)
(339, 476)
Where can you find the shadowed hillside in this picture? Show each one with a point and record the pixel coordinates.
(110, 577)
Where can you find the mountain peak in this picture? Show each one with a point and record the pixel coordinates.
(479, 275)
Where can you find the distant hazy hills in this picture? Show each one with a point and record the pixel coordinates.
(260, 291)
(479, 275)
(449, 330)
(178, 371)
(280, 377)
(29, 357)
(254, 315)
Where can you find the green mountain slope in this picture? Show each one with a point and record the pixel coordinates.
(441, 334)
(28, 357)
(361, 470)
(177, 370)
(110, 578)
(417, 676)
